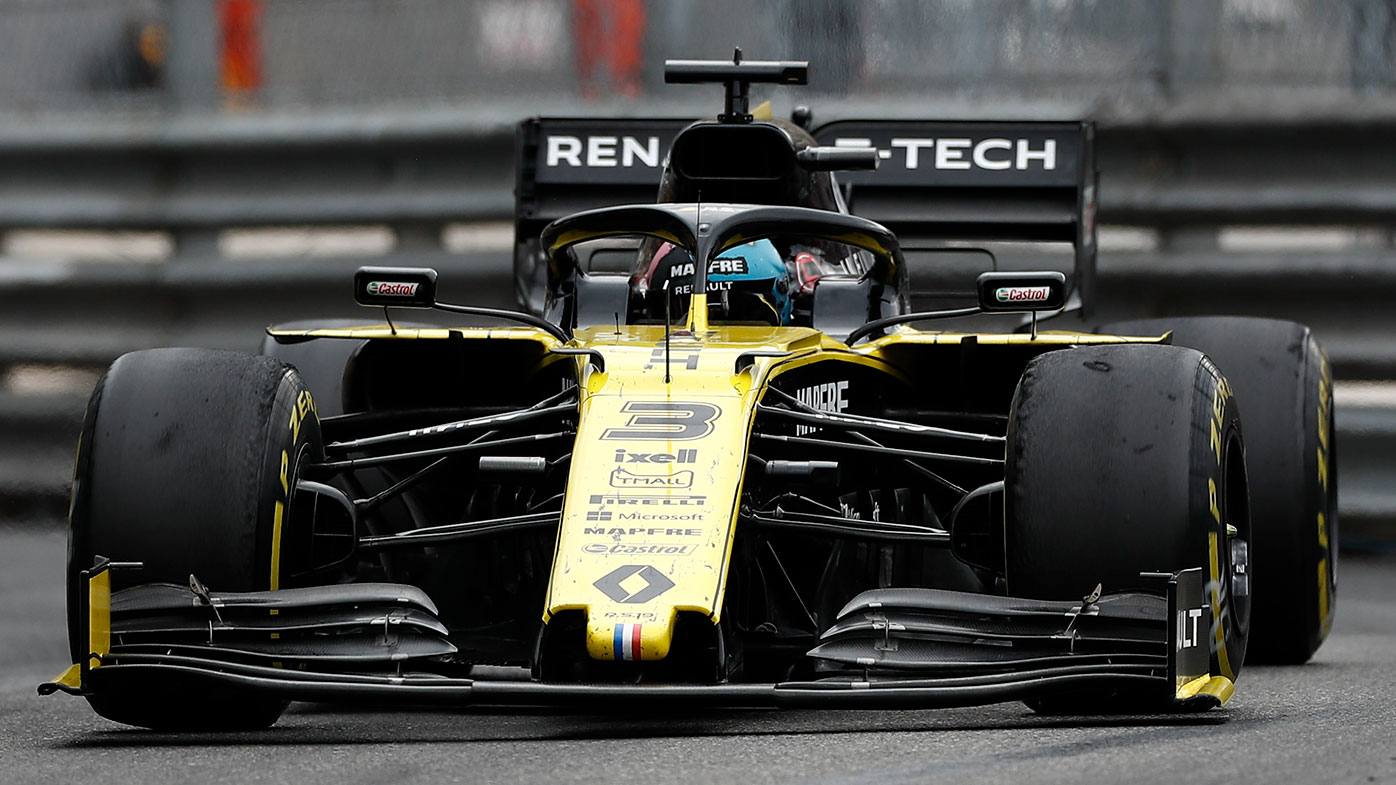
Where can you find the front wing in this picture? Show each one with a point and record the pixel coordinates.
(890, 648)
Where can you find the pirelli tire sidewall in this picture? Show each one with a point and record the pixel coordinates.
(1220, 497)
(292, 440)
(1124, 459)
(187, 463)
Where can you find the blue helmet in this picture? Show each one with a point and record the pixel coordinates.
(748, 283)
(755, 280)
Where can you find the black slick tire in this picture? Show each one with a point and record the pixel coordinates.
(1124, 459)
(1282, 378)
(187, 463)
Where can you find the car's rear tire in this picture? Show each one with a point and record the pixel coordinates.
(187, 463)
(1282, 378)
(1124, 459)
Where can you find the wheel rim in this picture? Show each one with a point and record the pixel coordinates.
(1236, 516)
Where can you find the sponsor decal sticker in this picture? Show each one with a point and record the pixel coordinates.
(601, 151)
(1023, 294)
(992, 154)
(660, 516)
(1187, 628)
(648, 531)
(634, 507)
(627, 641)
(684, 289)
(391, 289)
(637, 549)
(632, 500)
(827, 397)
(689, 455)
(633, 584)
(622, 478)
(727, 267)
(716, 266)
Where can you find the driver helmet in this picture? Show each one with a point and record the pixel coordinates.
(748, 283)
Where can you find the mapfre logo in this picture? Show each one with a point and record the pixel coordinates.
(827, 397)
(391, 289)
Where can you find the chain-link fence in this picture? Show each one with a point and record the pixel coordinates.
(63, 55)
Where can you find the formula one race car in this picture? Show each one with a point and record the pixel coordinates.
(717, 465)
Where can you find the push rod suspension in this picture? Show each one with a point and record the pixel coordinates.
(857, 422)
(458, 426)
(863, 438)
(378, 460)
(896, 452)
(885, 531)
(452, 532)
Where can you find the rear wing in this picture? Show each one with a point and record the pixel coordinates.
(936, 180)
(947, 180)
(567, 165)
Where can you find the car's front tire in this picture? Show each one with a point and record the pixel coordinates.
(187, 463)
(1124, 459)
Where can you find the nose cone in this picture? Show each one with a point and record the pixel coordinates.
(652, 496)
(639, 639)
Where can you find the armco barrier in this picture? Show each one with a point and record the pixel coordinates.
(75, 319)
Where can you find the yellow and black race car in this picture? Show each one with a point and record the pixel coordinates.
(717, 465)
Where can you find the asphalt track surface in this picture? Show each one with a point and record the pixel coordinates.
(1332, 721)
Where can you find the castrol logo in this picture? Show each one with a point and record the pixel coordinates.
(391, 289)
(1022, 294)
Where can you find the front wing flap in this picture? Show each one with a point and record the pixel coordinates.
(903, 636)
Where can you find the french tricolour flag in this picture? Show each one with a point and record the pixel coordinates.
(627, 643)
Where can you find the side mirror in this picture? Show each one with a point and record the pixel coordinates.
(404, 287)
(1022, 292)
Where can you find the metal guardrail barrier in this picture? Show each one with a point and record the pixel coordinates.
(62, 325)
(1183, 186)
(193, 176)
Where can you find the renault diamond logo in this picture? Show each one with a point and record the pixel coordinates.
(634, 584)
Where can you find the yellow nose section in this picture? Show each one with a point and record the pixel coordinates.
(652, 494)
(647, 522)
(644, 639)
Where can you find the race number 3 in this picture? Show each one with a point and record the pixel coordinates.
(664, 420)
